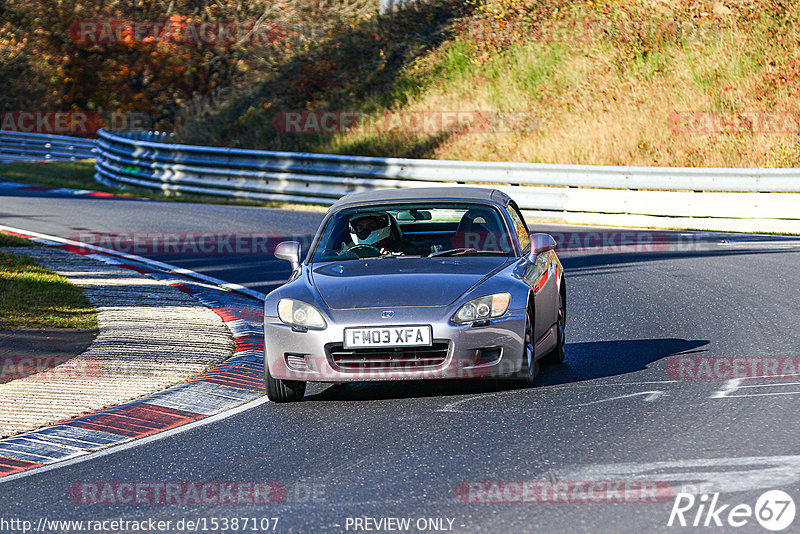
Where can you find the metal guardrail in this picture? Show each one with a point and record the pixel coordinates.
(22, 145)
(721, 199)
(764, 200)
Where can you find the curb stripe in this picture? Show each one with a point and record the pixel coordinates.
(74, 437)
(237, 313)
(234, 381)
(202, 397)
(9, 466)
(136, 420)
(229, 387)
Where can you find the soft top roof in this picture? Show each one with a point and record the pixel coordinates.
(423, 193)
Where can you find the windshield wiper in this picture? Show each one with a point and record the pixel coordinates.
(454, 252)
(463, 252)
(451, 252)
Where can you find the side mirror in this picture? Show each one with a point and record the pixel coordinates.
(289, 251)
(541, 243)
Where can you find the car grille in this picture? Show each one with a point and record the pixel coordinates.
(387, 358)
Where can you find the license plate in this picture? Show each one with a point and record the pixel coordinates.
(395, 336)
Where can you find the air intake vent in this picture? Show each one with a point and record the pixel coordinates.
(401, 358)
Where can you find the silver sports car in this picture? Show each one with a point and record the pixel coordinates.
(419, 283)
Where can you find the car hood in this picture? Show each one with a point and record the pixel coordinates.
(394, 282)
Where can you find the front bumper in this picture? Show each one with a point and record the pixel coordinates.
(471, 351)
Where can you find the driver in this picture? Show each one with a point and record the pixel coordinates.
(374, 229)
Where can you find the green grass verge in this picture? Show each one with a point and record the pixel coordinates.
(8, 240)
(80, 175)
(69, 174)
(32, 296)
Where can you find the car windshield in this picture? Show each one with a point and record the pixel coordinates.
(414, 230)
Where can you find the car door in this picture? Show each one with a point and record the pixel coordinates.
(539, 274)
(545, 289)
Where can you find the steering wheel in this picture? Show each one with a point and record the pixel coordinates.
(366, 248)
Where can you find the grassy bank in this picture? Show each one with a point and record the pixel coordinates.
(8, 240)
(80, 175)
(645, 82)
(32, 296)
(70, 174)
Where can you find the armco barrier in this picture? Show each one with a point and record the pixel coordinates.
(22, 145)
(762, 200)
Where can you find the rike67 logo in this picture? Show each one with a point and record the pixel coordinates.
(774, 511)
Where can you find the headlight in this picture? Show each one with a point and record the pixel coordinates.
(483, 308)
(296, 313)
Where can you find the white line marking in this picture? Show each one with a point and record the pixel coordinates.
(777, 384)
(573, 386)
(723, 475)
(761, 394)
(141, 259)
(650, 396)
(760, 244)
(734, 385)
(450, 407)
(728, 387)
(113, 449)
(768, 377)
(615, 385)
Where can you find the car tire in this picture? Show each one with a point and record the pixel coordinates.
(283, 390)
(530, 367)
(558, 354)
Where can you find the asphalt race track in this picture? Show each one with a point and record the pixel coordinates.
(626, 405)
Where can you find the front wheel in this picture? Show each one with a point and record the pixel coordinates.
(283, 390)
(558, 354)
(530, 367)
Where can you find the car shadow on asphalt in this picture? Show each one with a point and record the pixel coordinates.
(585, 361)
(601, 359)
(401, 389)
